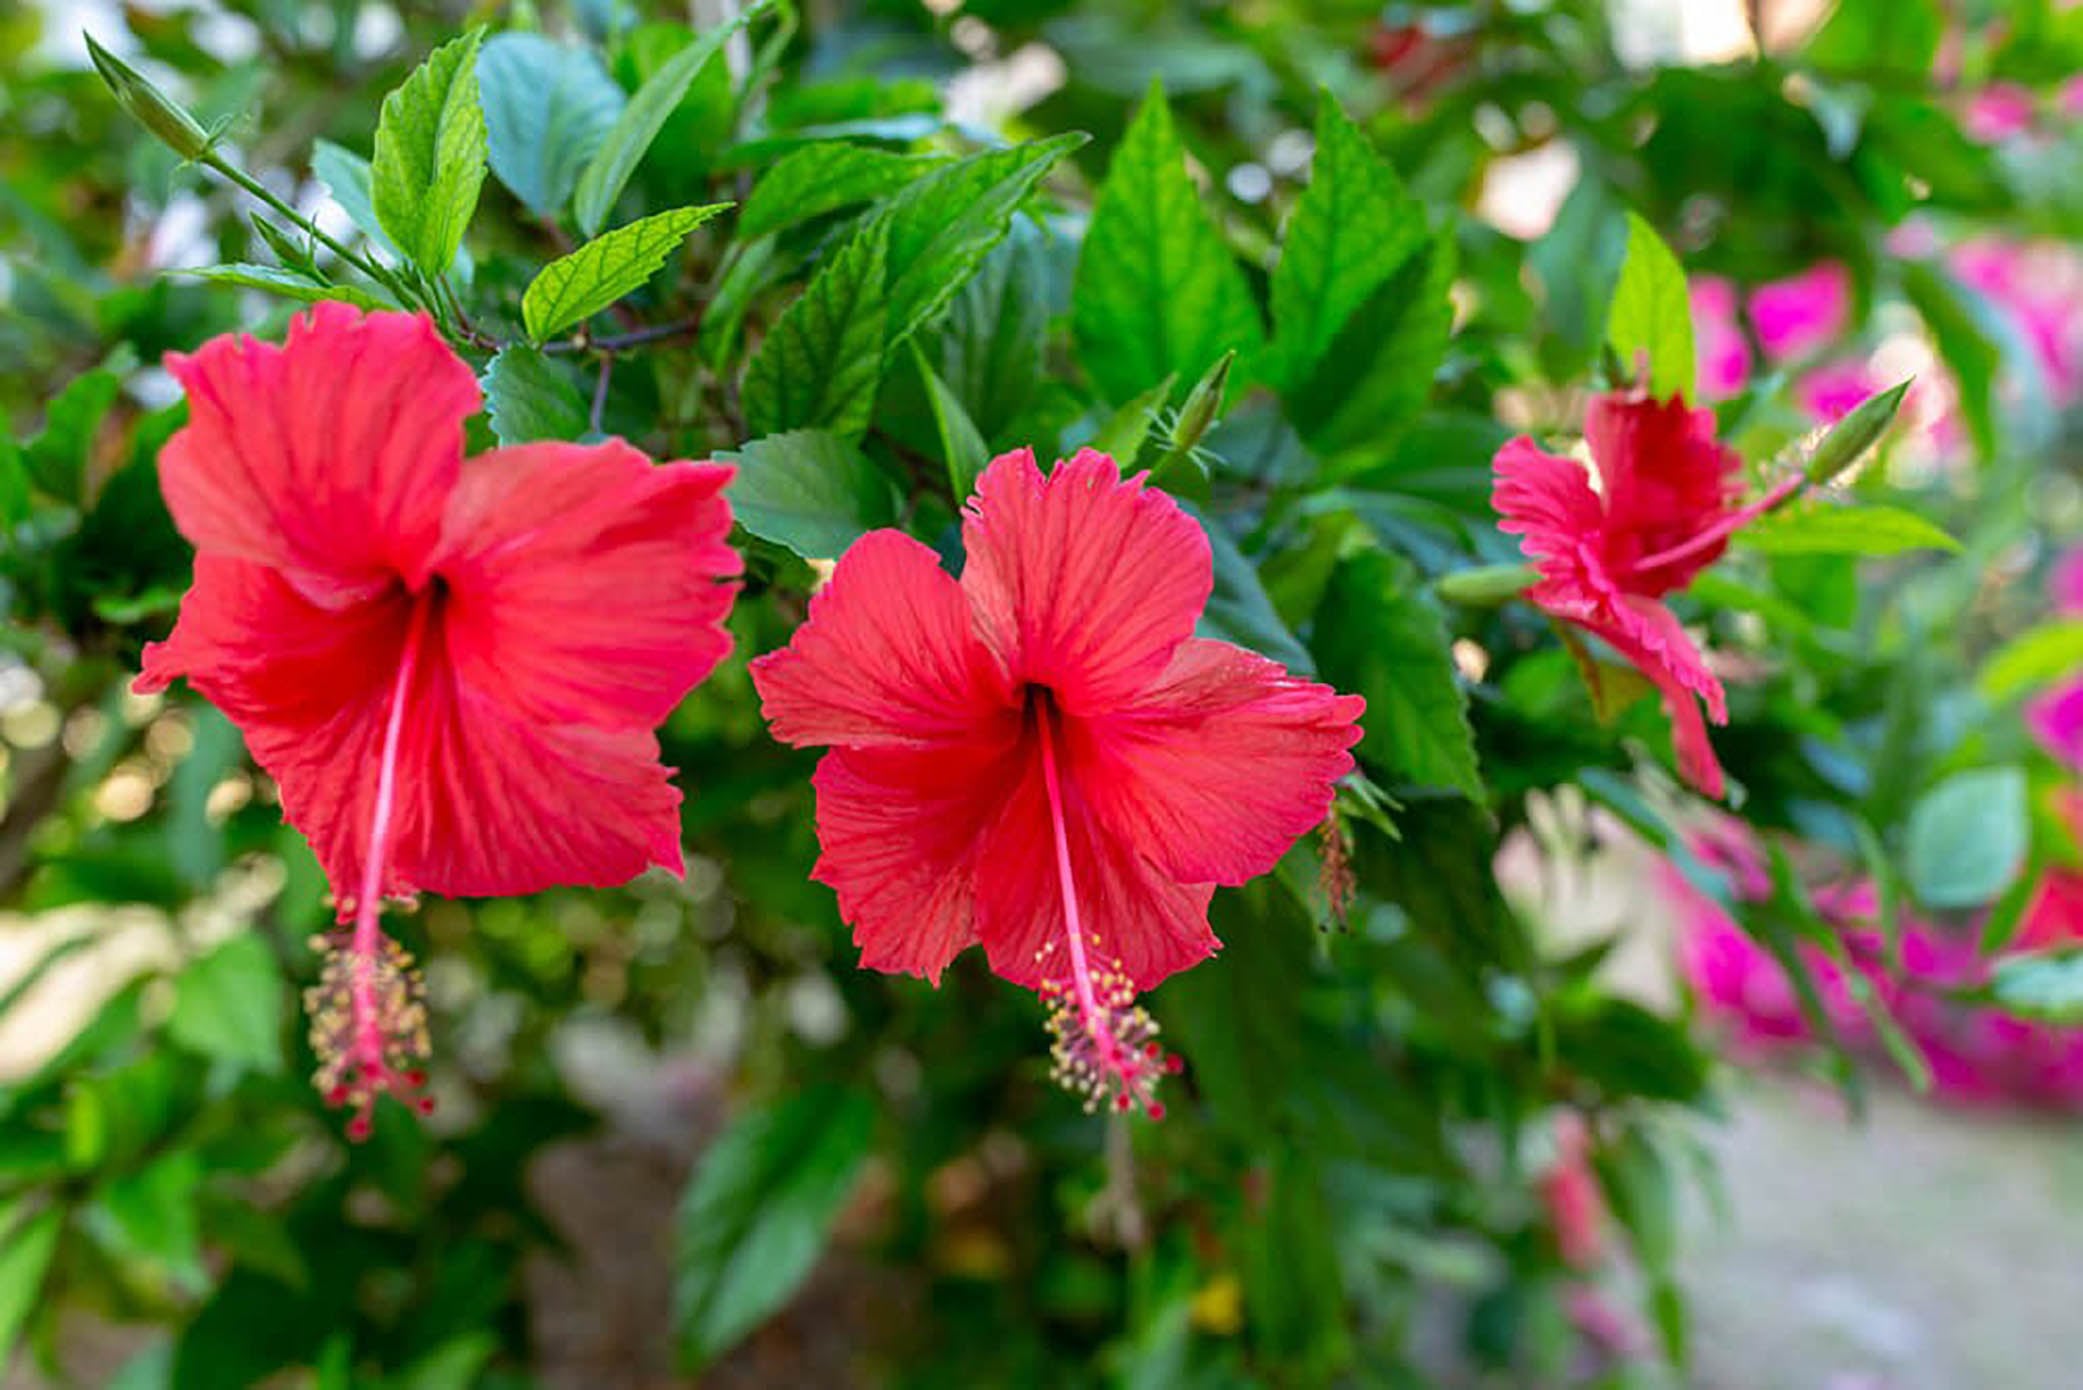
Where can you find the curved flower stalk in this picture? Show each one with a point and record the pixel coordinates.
(1042, 758)
(1665, 503)
(451, 667)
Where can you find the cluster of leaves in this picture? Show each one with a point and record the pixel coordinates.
(772, 240)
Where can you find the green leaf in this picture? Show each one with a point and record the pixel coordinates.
(1652, 313)
(645, 115)
(573, 288)
(2043, 985)
(756, 1214)
(1240, 611)
(26, 1250)
(991, 342)
(1870, 37)
(56, 460)
(1373, 382)
(530, 397)
(1377, 636)
(2046, 653)
(150, 1214)
(943, 226)
(1967, 837)
(811, 491)
(1963, 343)
(1292, 1282)
(287, 283)
(824, 178)
(348, 178)
(1351, 229)
(228, 1005)
(960, 444)
(548, 106)
(821, 363)
(1157, 292)
(1857, 432)
(430, 156)
(1825, 529)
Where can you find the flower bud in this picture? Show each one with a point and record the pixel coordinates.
(153, 109)
(1486, 586)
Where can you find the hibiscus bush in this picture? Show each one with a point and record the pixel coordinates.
(902, 694)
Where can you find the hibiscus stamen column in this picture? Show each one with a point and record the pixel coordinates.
(368, 1020)
(1105, 1041)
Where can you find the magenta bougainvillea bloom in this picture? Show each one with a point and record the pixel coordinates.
(1666, 503)
(1043, 758)
(452, 668)
(1802, 313)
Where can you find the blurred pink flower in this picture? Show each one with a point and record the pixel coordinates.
(1802, 313)
(2069, 99)
(1724, 358)
(2056, 720)
(1833, 390)
(2065, 584)
(1998, 112)
(2040, 289)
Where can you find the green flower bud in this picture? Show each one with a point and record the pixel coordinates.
(153, 109)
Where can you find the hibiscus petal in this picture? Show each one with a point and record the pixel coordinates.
(330, 457)
(2056, 721)
(309, 687)
(1134, 915)
(1652, 640)
(1216, 769)
(900, 831)
(1666, 478)
(584, 583)
(888, 658)
(1084, 583)
(1545, 500)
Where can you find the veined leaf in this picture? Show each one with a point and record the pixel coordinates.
(430, 156)
(811, 491)
(1376, 635)
(960, 443)
(822, 361)
(823, 178)
(1157, 292)
(1652, 313)
(529, 397)
(573, 288)
(627, 140)
(287, 283)
(991, 342)
(1351, 229)
(1843, 530)
(943, 226)
(548, 106)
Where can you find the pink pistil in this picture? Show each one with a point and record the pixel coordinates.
(368, 1021)
(1722, 529)
(1106, 1043)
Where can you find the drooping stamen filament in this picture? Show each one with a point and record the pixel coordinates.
(1105, 1043)
(368, 1015)
(1724, 528)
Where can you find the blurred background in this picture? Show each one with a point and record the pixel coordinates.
(887, 1189)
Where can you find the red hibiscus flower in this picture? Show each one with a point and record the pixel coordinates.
(1663, 509)
(1042, 756)
(452, 668)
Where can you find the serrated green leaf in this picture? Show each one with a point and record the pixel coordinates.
(630, 137)
(429, 162)
(27, 1247)
(1377, 636)
(2046, 653)
(824, 178)
(1967, 837)
(1374, 380)
(548, 106)
(228, 1005)
(1652, 313)
(943, 226)
(530, 397)
(275, 280)
(811, 491)
(960, 443)
(1157, 292)
(1351, 229)
(991, 341)
(756, 1214)
(1824, 529)
(573, 288)
(821, 362)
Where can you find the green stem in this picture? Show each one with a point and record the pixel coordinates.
(261, 191)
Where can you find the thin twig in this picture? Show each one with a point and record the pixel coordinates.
(622, 342)
(600, 391)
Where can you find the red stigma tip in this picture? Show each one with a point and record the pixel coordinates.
(359, 1128)
(1155, 1110)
